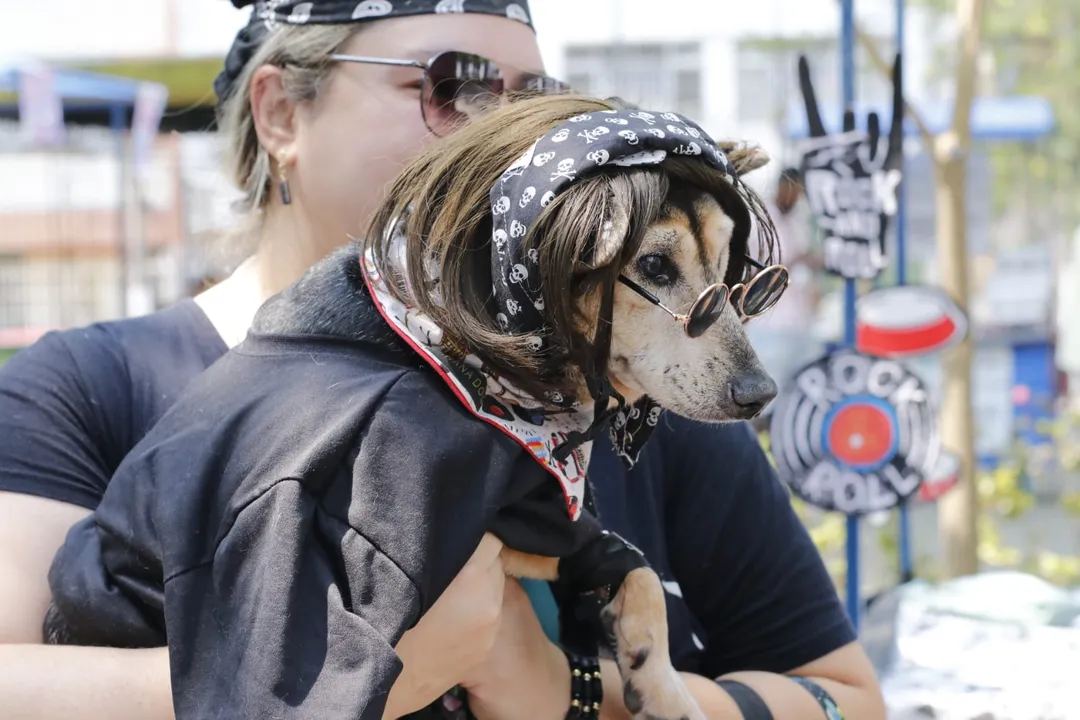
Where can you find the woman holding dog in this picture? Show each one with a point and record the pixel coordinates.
(746, 591)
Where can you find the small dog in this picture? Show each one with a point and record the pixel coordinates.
(688, 247)
(603, 286)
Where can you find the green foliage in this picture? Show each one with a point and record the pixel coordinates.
(5, 354)
(1035, 50)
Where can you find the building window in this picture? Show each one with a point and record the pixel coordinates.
(652, 75)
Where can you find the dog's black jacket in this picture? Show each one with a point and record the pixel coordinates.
(305, 501)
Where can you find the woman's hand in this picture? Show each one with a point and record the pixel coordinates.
(525, 676)
(454, 637)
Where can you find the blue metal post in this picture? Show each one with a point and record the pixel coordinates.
(907, 571)
(847, 75)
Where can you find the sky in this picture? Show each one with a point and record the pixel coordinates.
(76, 29)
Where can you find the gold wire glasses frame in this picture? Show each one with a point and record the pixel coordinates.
(750, 299)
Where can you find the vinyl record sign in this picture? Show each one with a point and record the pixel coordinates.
(854, 433)
(907, 320)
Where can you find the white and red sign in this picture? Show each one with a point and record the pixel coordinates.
(942, 478)
(907, 320)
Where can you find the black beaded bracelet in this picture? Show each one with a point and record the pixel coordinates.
(586, 687)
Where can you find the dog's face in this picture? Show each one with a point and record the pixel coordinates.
(715, 377)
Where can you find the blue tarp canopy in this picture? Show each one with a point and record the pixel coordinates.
(993, 119)
(77, 86)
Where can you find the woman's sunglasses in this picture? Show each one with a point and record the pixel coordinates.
(750, 299)
(458, 86)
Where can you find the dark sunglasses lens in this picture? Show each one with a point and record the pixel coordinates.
(736, 295)
(459, 86)
(764, 290)
(706, 310)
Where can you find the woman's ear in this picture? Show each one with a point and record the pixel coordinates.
(273, 113)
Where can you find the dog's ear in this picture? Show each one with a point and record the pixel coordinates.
(745, 157)
(611, 210)
(612, 234)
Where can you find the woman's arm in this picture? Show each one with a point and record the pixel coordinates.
(50, 682)
(31, 530)
(51, 471)
(57, 425)
(453, 637)
(53, 682)
(528, 677)
(846, 674)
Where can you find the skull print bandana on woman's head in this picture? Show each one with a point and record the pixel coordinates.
(266, 15)
(580, 147)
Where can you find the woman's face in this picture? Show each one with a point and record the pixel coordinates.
(367, 122)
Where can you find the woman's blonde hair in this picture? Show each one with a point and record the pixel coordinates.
(303, 53)
(443, 196)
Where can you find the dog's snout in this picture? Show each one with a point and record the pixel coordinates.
(751, 393)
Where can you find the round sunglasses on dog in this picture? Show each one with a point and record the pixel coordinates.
(750, 299)
(458, 86)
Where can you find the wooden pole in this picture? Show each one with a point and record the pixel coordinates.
(958, 510)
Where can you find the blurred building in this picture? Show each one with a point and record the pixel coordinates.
(77, 230)
(70, 220)
(732, 65)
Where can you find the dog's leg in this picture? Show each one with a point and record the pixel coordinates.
(523, 565)
(635, 621)
(636, 624)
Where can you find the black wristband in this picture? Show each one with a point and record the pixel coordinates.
(824, 699)
(586, 687)
(750, 704)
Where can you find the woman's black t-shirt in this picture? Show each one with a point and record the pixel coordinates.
(746, 588)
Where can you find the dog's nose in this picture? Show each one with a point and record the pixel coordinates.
(752, 393)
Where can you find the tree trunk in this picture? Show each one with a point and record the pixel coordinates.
(958, 510)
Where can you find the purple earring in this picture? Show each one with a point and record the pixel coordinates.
(283, 184)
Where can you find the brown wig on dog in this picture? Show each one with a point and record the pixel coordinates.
(441, 204)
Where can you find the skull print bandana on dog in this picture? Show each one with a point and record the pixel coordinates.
(582, 146)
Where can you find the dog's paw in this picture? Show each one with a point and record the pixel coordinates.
(659, 694)
(636, 625)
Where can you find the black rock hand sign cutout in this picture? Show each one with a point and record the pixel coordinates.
(851, 179)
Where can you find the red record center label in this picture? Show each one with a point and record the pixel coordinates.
(861, 433)
(854, 433)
